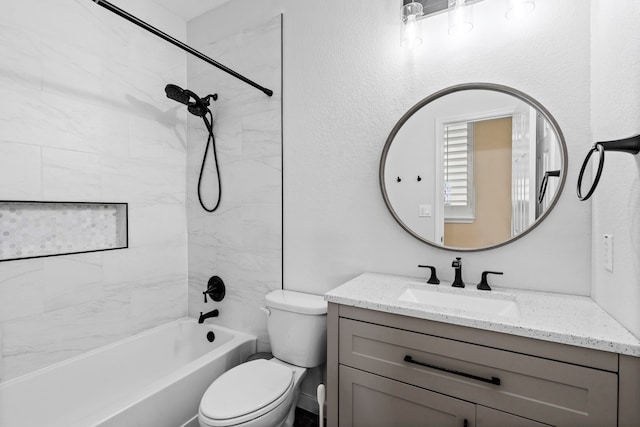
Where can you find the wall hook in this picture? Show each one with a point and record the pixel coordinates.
(627, 145)
(419, 179)
(398, 179)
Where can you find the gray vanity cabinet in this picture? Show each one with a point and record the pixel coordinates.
(392, 370)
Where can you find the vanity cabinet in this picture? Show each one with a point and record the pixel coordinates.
(392, 370)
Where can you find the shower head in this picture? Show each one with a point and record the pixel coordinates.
(177, 94)
(199, 107)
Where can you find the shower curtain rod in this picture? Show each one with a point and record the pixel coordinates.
(178, 43)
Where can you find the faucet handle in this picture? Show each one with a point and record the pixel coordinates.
(484, 285)
(434, 278)
(215, 289)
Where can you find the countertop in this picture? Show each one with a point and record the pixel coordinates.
(566, 319)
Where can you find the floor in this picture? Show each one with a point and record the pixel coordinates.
(305, 419)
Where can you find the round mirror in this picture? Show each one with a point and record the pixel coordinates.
(473, 167)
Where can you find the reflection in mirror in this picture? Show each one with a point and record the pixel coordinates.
(491, 163)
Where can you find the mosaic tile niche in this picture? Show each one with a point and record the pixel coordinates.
(39, 229)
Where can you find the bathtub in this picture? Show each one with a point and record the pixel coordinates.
(155, 378)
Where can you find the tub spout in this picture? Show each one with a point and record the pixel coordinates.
(203, 317)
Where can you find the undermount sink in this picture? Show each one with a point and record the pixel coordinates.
(500, 305)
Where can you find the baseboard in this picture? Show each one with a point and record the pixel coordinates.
(308, 403)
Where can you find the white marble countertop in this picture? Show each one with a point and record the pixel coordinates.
(561, 318)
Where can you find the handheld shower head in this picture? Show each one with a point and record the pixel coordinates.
(199, 107)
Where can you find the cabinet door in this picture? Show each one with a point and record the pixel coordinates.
(368, 400)
(487, 417)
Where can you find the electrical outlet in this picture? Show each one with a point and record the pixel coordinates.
(607, 249)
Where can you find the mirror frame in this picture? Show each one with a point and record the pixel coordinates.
(475, 86)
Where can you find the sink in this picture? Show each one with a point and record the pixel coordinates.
(493, 304)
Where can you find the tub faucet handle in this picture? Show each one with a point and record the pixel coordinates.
(434, 278)
(215, 289)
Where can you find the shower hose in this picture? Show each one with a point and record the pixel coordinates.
(211, 140)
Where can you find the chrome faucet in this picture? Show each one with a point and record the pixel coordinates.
(457, 264)
(203, 317)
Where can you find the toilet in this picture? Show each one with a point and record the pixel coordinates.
(264, 393)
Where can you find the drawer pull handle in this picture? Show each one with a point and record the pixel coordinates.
(492, 380)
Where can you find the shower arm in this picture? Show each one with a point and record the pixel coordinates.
(123, 14)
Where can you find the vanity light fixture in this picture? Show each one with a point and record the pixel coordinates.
(460, 17)
(517, 9)
(409, 37)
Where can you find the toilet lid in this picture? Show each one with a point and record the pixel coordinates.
(246, 388)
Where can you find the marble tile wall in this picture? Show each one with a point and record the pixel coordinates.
(84, 117)
(242, 241)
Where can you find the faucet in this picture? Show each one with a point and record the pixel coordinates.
(203, 317)
(457, 264)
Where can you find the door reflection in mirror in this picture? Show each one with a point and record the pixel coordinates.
(489, 209)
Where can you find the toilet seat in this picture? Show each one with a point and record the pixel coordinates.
(246, 392)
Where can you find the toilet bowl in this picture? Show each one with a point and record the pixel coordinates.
(264, 393)
(259, 393)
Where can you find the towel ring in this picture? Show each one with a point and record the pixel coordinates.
(627, 145)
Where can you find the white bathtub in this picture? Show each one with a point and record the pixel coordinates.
(155, 378)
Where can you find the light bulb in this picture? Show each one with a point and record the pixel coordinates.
(410, 37)
(517, 9)
(460, 17)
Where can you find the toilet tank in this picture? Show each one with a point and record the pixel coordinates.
(297, 324)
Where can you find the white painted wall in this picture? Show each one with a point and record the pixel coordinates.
(615, 114)
(347, 82)
(84, 117)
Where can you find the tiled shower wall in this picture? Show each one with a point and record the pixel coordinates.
(242, 241)
(83, 117)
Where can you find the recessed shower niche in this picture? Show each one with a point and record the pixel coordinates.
(41, 229)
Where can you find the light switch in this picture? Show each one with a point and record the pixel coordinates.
(607, 249)
(424, 210)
